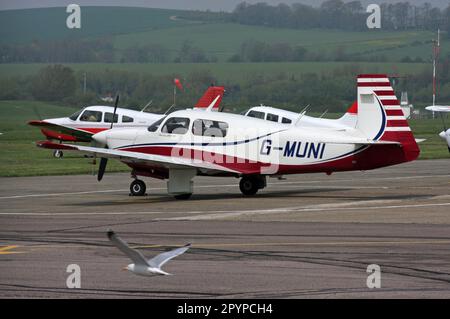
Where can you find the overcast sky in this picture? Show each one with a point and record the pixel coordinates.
(215, 5)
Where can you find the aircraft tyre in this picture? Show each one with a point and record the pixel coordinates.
(58, 153)
(249, 185)
(137, 188)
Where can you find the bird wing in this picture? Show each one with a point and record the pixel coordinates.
(133, 254)
(159, 260)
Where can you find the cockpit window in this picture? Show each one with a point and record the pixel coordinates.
(176, 125)
(91, 116)
(258, 115)
(75, 115)
(209, 128)
(155, 126)
(109, 117)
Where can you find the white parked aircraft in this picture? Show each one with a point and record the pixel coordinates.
(287, 117)
(200, 142)
(445, 134)
(82, 125)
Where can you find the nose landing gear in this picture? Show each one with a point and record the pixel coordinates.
(58, 153)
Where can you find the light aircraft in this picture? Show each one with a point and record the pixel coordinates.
(445, 134)
(82, 125)
(195, 142)
(287, 117)
(142, 266)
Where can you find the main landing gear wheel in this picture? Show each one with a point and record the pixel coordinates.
(183, 196)
(58, 153)
(137, 188)
(249, 185)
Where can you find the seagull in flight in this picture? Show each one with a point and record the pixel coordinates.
(142, 266)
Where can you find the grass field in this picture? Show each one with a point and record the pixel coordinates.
(20, 156)
(224, 39)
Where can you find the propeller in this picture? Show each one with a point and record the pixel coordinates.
(104, 160)
(102, 168)
(115, 109)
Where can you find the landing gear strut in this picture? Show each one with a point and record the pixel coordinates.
(249, 185)
(58, 153)
(137, 188)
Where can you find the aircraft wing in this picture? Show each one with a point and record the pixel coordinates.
(79, 134)
(164, 161)
(438, 108)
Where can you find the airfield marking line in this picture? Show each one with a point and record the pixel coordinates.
(35, 248)
(228, 214)
(233, 213)
(6, 250)
(232, 185)
(62, 194)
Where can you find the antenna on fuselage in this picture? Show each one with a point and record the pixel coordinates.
(169, 109)
(147, 105)
(323, 114)
(302, 113)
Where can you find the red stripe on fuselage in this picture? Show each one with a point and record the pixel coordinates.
(371, 158)
(93, 130)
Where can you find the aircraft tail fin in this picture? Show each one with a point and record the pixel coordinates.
(210, 95)
(380, 117)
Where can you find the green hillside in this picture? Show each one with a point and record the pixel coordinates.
(225, 39)
(23, 26)
(130, 26)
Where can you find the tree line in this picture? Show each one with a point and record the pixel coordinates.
(100, 51)
(337, 14)
(333, 90)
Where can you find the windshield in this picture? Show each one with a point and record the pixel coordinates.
(154, 126)
(75, 115)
